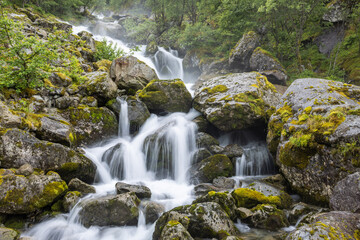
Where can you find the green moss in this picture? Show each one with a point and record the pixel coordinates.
(57, 206)
(249, 198)
(51, 192)
(216, 89)
(69, 167)
(16, 222)
(172, 223)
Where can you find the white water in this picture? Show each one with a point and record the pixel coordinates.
(159, 157)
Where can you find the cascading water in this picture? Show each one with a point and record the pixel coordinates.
(169, 65)
(124, 125)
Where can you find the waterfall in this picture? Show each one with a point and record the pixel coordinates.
(124, 124)
(168, 64)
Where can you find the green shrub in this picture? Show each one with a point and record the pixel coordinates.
(107, 50)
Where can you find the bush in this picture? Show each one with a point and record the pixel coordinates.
(107, 50)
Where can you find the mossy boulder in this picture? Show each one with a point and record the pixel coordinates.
(91, 124)
(22, 195)
(236, 101)
(153, 211)
(314, 134)
(139, 190)
(77, 185)
(267, 216)
(8, 118)
(100, 86)
(18, 147)
(131, 74)
(332, 225)
(264, 62)
(208, 169)
(70, 199)
(8, 234)
(248, 198)
(202, 220)
(115, 210)
(166, 96)
(174, 230)
(240, 55)
(103, 65)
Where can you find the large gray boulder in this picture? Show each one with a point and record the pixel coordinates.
(241, 53)
(166, 96)
(139, 190)
(91, 124)
(7, 118)
(100, 85)
(202, 220)
(23, 195)
(346, 194)
(131, 74)
(175, 230)
(236, 101)
(262, 61)
(77, 185)
(267, 216)
(18, 147)
(314, 134)
(332, 225)
(113, 210)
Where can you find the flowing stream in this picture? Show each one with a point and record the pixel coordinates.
(158, 156)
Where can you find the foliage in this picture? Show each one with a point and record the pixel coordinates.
(107, 50)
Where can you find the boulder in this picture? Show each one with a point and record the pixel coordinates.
(100, 86)
(131, 74)
(233, 151)
(166, 96)
(23, 195)
(204, 140)
(116, 210)
(91, 124)
(67, 101)
(137, 112)
(175, 230)
(332, 225)
(8, 234)
(54, 130)
(336, 12)
(89, 40)
(264, 62)
(7, 118)
(224, 183)
(70, 200)
(202, 220)
(210, 168)
(224, 199)
(200, 154)
(267, 216)
(103, 65)
(89, 101)
(240, 55)
(153, 211)
(139, 190)
(77, 185)
(151, 48)
(18, 147)
(236, 101)
(204, 188)
(314, 134)
(346, 194)
(301, 212)
(60, 79)
(50, 25)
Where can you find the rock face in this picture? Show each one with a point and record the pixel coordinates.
(236, 101)
(131, 74)
(100, 85)
(346, 194)
(166, 96)
(314, 134)
(140, 191)
(240, 55)
(18, 147)
(262, 61)
(202, 220)
(91, 124)
(118, 210)
(332, 225)
(153, 211)
(22, 195)
(210, 168)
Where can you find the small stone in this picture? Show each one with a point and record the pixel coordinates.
(25, 170)
(77, 185)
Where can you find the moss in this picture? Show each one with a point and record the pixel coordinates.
(51, 192)
(216, 89)
(57, 206)
(172, 223)
(215, 162)
(69, 167)
(16, 222)
(103, 65)
(249, 198)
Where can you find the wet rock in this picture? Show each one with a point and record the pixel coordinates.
(313, 134)
(100, 86)
(346, 194)
(265, 63)
(118, 210)
(240, 55)
(70, 199)
(191, 65)
(210, 168)
(224, 183)
(276, 180)
(202, 123)
(233, 151)
(236, 101)
(267, 216)
(243, 213)
(166, 96)
(204, 188)
(153, 211)
(19, 147)
(131, 74)
(174, 230)
(225, 200)
(204, 140)
(77, 185)
(332, 225)
(300, 211)
(202, 220)
(91, 124)
(22, 195)
(151, 48)
(8, 234)
(201, 154)
(140, 191)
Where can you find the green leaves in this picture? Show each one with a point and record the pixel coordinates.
(107, 50)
